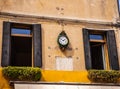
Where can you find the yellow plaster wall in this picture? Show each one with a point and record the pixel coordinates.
(105, 10)
(50, 48)
(117, 32)
(79, 9)
(74, 31)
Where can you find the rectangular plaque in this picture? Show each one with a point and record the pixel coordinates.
(64, 63)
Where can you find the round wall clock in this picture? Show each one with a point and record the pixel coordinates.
(63, 40)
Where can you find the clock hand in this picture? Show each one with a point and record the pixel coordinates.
(63, 39)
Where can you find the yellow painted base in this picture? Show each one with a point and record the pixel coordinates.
(64, 76)
(4, 84)
(53, 76)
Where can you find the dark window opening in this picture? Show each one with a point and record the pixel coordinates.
(21, 47)
(21, 51)
(97, 50)
(97, 55)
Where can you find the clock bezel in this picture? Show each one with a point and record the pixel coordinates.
(62, 47)
(60, 42)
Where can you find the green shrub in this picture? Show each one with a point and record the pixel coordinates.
(111, 76)
(22, 73)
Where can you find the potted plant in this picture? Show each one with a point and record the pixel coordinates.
(104, 76)
(22, 73)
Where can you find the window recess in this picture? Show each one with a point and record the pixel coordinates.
(97, 43)
(98, 49)
(21, 45)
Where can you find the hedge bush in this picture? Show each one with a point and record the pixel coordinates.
(22, 73)
(111, 76)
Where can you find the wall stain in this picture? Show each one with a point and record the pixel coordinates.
(3, 5)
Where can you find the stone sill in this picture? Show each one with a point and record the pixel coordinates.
(63, 83)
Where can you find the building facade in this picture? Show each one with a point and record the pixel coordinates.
(29, 34)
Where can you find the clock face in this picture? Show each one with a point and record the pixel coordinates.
(63, 40)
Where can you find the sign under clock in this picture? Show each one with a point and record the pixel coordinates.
(63, 40)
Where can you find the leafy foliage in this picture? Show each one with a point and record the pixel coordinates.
(22, 73)
(111, 76)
